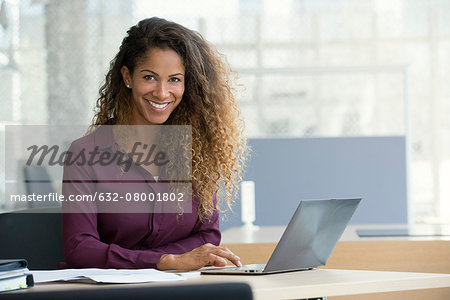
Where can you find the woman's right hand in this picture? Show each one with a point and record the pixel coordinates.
(204, 255)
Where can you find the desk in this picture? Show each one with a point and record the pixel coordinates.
(401, 254)
(361, 255)
(303, 284)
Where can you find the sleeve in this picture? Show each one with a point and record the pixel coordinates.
(83, 248)
(81, 241)
(203, 232)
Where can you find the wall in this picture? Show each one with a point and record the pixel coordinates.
(287, 170)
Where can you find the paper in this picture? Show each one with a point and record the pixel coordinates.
(13, 273)
(190, 274)
(106, 275)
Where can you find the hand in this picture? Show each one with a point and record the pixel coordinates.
(206, 254)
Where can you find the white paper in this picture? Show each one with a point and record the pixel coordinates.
(106, 275)
(13, 273)
(190, 274)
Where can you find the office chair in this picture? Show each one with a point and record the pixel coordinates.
(38, 182)
(216, 291)
(33, 234)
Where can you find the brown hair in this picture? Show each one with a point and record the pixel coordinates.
(208, 105)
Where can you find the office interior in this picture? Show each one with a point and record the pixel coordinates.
(340, 99)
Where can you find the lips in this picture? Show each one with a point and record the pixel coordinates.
(158, 106)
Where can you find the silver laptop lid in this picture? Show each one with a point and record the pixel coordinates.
(312, 234)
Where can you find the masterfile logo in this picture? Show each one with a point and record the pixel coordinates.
(54, 156)
(119, 160)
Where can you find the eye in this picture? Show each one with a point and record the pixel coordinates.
(174, 79)
(149, 77)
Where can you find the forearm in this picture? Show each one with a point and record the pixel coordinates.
(84, 248)
(91, 253)
(191, 242)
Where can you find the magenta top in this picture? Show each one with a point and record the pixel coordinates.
(92, 239)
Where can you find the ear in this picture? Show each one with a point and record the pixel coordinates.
(126, 76)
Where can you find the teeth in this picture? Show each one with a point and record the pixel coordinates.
(157, 105)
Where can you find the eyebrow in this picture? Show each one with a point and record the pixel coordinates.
(156, 74)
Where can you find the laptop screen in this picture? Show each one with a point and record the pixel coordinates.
(312, 234)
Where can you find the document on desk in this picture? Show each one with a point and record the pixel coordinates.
(105, 275)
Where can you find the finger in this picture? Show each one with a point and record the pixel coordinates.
(226, 253)
(216, 261)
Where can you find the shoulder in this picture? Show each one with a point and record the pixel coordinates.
(101, 137)
(83, 142)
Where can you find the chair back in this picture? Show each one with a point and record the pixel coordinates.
(33, 234)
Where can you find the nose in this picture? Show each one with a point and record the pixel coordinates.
(162, 91)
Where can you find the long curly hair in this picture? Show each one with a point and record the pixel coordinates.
(218, 144)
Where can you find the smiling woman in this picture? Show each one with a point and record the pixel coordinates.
(164, 74)
(157, 86)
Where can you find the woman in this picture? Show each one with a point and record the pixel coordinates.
(165, 74)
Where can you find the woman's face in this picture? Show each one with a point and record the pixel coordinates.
(157, 86)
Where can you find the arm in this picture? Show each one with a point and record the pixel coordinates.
(202, 233)
(82, 244)
(201, 248)
(84, 249)
(81, 241)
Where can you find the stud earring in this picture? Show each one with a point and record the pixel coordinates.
(128, 86)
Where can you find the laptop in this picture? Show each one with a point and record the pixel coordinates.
(308, 240)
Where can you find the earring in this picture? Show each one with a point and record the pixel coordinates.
(128, 86)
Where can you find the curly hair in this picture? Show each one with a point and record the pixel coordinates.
(218, 144)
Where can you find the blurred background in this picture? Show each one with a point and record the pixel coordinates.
(307, 68)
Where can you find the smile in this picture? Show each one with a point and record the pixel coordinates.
(157, 105)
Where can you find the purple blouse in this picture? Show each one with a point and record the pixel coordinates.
(93, 239)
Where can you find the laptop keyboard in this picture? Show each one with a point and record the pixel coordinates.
(250, 268)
